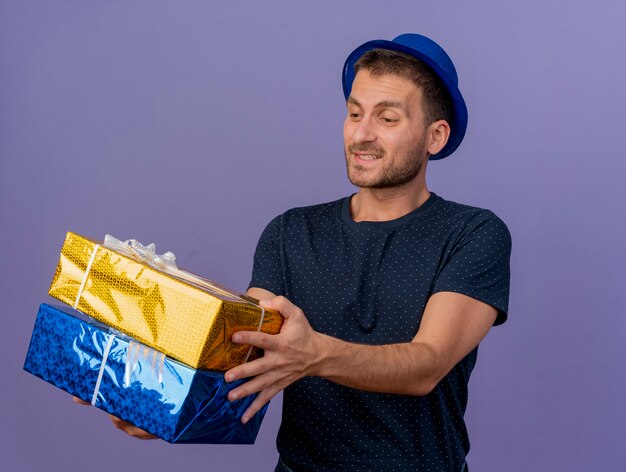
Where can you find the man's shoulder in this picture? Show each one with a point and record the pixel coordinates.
(462, 212)
(321, 212)
(463, 218)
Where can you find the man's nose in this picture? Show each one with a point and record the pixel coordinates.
(364, 131)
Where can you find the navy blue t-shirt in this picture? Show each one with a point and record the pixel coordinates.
(368, 282)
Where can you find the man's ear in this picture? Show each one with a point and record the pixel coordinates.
(437, 136)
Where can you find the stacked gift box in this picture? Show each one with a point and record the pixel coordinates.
(147, 342)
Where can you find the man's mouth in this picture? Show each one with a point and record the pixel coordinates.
(367, 157)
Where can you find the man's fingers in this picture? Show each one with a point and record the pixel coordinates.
(118, 423)
(79, 401)
(249, 369)
(281, 304)
(254, 338)
(258, 403)
(130, 429)
(251, 386)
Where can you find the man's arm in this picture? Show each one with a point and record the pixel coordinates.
(452, 325)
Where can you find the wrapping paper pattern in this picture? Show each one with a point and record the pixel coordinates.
(186, 321)
(168, 399)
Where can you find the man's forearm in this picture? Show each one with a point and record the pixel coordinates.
(408, 368)
(451, 326)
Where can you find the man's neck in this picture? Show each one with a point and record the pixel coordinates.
(387, 204)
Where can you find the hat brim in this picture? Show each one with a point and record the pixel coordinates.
(458, 125)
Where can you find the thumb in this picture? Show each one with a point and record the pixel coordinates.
(282, 305)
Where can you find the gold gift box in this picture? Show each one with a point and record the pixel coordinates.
(191, 321)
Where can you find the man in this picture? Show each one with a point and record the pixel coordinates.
(386, 294)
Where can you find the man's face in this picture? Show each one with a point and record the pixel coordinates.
(384, 133)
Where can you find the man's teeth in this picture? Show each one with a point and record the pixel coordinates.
(368, 157)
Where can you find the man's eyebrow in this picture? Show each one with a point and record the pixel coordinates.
(383, 104)
(389, 104)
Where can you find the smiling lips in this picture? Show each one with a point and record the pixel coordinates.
(367, 157)
(364, 152)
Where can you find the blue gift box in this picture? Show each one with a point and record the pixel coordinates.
(137, 384)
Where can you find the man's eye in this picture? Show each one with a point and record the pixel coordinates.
(355, 116)
(387, 120)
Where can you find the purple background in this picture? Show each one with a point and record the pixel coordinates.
(192, 124)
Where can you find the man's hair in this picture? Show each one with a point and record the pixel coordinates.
(436, 101)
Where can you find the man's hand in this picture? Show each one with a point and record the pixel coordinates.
(128, 428)
(289, 356)
(79, 401)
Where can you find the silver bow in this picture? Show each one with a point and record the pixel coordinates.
(136, 250)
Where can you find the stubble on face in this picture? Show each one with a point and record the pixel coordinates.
(385, 125)
(411, 162)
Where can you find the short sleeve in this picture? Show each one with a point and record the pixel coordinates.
(267, 269)
(479, 264)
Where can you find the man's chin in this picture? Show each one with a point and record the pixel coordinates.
(359, 180)
(365, 183)
(380, 183)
